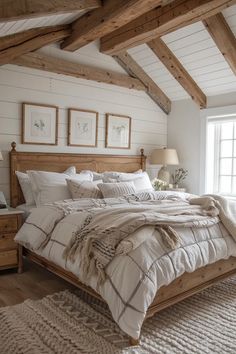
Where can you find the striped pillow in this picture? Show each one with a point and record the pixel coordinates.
(112, 190)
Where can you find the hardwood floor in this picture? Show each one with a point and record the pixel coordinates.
(34, 283)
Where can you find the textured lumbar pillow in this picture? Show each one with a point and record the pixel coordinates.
(83, 189)
(112, 190)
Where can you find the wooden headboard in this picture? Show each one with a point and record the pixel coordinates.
(57, 162)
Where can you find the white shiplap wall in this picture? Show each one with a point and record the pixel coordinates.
(149, 123)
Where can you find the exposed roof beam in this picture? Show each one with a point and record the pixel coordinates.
(132, 68)
(98, 23)
(161, 21)
(11, 10)
(223, 37)
(64, 67)
(178, 71)
(15, 45)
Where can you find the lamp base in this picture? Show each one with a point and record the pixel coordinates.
(164, 174)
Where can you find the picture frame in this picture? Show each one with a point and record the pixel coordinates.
(82, 127)
(39, 124)
(118, 131)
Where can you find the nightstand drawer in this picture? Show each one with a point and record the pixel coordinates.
(8, 224)
(8, 258)
(7, 242)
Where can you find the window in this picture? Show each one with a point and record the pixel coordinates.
(221, 155)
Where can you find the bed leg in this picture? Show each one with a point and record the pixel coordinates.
(133, 341)
(20, 260)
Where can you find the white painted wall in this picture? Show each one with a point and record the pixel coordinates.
(149, 123)
(184, 134)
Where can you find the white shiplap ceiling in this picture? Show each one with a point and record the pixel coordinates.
(192, 45)
(11, 27)
(196, 50)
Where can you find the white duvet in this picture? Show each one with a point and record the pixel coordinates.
(133, 278)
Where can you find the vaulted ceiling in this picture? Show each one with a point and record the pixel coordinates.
(170, 49)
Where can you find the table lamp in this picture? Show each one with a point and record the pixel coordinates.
(164, 157)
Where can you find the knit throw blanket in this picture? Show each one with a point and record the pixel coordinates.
(104, 229)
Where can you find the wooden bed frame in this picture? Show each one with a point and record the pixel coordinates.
(183, 287)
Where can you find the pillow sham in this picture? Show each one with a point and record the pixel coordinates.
(141, 181)
(109, 174)
(112, 190)
(26, 187)
(51, 186)
(83, 189)
(96, 175)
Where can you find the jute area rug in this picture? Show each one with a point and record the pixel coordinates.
(64, 323)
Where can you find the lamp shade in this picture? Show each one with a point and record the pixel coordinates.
(164, 157)
(1, 158)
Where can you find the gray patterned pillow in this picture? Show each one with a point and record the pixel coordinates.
(83, 189)
(112, 190)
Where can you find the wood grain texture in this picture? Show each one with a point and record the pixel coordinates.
(10, 252)
(133, 69)
(23, 9)
(184, 286)
(112, 15)
(64, 67)
(161, 21)
(174, 66)
(56, 162)
(223, 38)
(15, 45)
(34, 284)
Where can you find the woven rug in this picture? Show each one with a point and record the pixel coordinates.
(64, 323)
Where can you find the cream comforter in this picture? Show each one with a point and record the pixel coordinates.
(142, 261)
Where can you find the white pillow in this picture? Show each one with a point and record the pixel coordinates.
(96, 175)
(141, 181)
(26, 187)
(84, 189)
(51, 186)
(112, 190)
(108, 174)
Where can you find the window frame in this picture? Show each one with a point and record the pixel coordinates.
(205, 116)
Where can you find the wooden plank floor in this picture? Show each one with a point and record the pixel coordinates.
(34, 283)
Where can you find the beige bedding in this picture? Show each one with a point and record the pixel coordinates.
(131, 278)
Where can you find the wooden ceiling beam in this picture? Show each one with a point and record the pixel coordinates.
(98, 23)
(223, 38)
(11, 10)
(160, 21)
(15, 45)
(133, 69)
(174, 66)
(64, 67)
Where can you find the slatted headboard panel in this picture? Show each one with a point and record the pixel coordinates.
(57, 162)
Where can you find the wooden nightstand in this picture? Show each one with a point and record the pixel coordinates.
(10, 251)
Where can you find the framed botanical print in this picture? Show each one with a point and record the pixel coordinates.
(39, 124)
(118, 131)
(83, 127)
